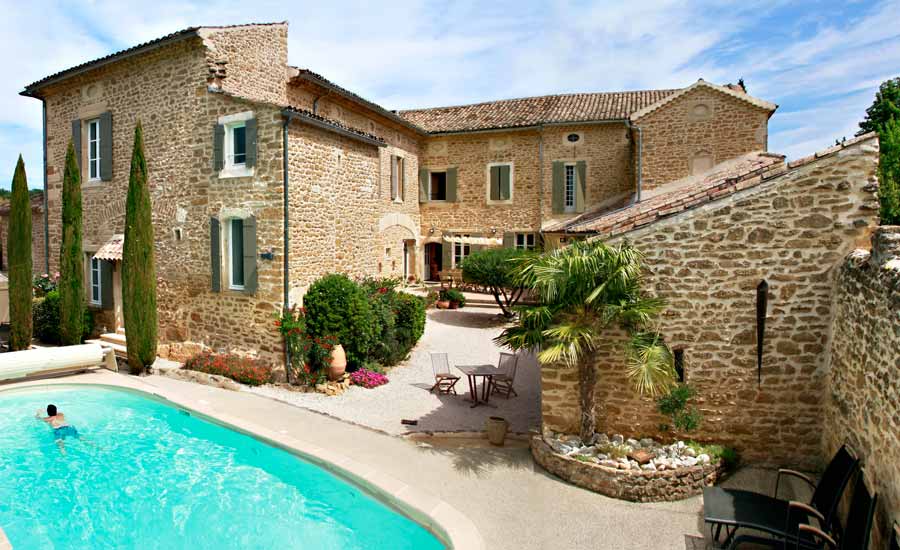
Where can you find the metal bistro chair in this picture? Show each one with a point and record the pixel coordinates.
(444, 380)
(503, 383)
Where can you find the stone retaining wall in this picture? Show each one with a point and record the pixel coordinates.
(862, 402)
(633, 485)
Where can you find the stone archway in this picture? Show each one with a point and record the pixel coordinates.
(398, 237)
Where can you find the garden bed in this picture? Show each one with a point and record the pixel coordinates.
(668, 472)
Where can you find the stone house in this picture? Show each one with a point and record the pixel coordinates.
(265, 176)
(38, 257)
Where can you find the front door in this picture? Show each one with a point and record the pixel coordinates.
(433, 259)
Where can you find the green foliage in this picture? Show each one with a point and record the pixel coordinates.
(582, 290)
(19, 262)
(884, 108)
(71, 255)
(495, 269)
(44, 283)
(675, 405)
(138, 265)
(651, 366)
(728, 455)
(6, 194)
(337, 306)
(410, 324)
(453, 295)
(614, 450)
(46, 313)
(889, 172)
(382, 301)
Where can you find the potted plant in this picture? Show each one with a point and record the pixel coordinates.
(455, 298)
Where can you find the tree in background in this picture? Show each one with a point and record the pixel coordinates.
(71, 261)
(138, 265)
(884, 117)
(19, 249)
(494, 269)
(584, 289)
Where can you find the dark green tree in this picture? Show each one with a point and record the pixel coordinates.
(494, 269)
(19, 249)
(71, 261)
(889, 173)
(885, 108)
(138, 265)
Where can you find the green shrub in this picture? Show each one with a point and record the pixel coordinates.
(728, 455)
(46, 314)
(240, 369)
(383, 302)
(675, 405)
(453, 295)
(410, 319)
(337, 306)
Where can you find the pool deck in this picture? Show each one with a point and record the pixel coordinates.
(478, 496)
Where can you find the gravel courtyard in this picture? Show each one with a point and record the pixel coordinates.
(467, 336)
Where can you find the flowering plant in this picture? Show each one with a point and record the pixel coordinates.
(367, 378)
(45, 284)
(240, 369)
(308, 355)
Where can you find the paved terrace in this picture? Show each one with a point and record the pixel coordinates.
(513, 504)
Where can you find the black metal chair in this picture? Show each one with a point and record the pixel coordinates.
(859, 525)
(736, 509)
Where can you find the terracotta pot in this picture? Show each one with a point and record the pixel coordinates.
(338, 365)
(454, 305)
(443, 304)
(496, 428)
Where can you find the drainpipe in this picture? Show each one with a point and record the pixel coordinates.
(640, 161)
(541, 180)
(46, 197)
(286, 252)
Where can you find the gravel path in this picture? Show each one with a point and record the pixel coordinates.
(466, 335)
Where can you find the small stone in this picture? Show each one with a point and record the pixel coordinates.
(600, 440)
(648, 443)
(609, 463)
(618, 439)
(689, 452)
(689, 461)
(649, 466)
(703, 458)
(633, 443)
(641, 456)
(571, 440)
(680, 445)
(601, 456)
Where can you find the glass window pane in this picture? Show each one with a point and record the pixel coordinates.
(93, 129)
(237, 252)
(240, 144)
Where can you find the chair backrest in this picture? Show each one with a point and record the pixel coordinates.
(507, 364)
(440, 364)
(859, 519)
(834, 481)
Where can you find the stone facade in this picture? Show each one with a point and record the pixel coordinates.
(791, 230)
(37, 236)
(698, 129)
(862, 401)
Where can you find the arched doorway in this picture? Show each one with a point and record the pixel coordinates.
(433, 260)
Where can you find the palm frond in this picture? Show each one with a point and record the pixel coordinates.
(650, 365)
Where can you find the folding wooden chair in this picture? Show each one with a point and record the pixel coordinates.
(444, 380)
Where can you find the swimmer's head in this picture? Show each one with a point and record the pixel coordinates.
(51, 410)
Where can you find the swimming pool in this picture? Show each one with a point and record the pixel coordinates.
(157, 477)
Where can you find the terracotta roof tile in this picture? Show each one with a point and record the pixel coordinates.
(531, 111)
(334, 125)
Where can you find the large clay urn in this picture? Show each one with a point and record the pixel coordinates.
(338, 364)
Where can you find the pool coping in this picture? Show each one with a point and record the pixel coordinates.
(444, 521)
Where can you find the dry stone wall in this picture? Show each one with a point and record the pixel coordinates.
(37, 239)
(249, 60)
(862, 403)
(792, 231)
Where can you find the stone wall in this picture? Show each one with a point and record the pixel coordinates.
(674, 135)
(791, 230)
(37, 237)
(862, 402)
(250, 61)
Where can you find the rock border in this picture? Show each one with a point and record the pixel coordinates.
(632, 485)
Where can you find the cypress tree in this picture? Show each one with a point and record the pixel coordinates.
(71, 259)
(19, 249)
(138, 265)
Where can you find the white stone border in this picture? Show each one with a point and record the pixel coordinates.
(444, 521)
(4, 542)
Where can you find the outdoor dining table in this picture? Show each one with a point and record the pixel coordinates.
(472, 372)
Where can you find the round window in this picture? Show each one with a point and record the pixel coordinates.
(573, 138)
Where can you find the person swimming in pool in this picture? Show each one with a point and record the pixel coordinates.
(61, 428)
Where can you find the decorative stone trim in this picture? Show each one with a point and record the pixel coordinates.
(633, 485)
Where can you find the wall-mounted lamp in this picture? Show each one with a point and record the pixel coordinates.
(431, 231)
(267, 255)
(493, 231)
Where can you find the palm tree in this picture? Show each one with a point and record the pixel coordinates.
(583, 290)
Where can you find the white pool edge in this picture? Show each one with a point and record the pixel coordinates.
(443, 520)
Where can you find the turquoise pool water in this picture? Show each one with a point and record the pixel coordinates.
(157, 477)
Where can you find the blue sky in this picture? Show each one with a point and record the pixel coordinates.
(820, 61)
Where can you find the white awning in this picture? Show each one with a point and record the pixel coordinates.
(480, 241)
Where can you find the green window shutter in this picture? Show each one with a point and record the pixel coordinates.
(505, 183)
(250, 276)
(451, 185)
(218, 147)
(106, 284)
(509, 240)
(559, 186)
(106, 146)
(581, 188)
(76, 140)
(423, 185)
(495, 183)
(395, 177)
(250, 133)
(215, 254)
(446, 255)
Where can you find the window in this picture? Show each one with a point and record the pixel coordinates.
(236, 152)
(94, 149)
(569, 197)
(397, 182)
(460, 252)
(525, 241)
(438, 188)
(679, 364)
(96, 290)
(236, 254)
(500, 182)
